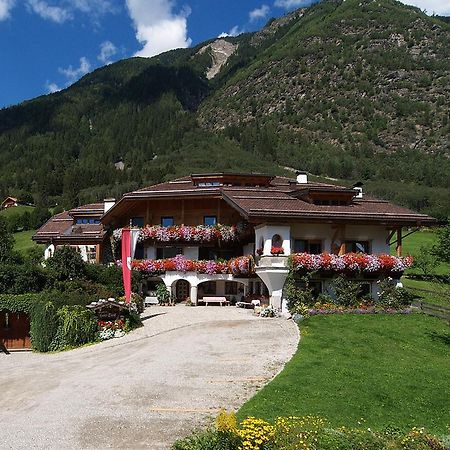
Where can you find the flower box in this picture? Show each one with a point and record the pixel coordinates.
(351, 264)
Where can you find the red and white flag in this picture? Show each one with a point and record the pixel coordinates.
(129, 242)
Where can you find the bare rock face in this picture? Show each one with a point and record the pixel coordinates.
(220, 51)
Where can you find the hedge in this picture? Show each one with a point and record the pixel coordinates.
(19, 303)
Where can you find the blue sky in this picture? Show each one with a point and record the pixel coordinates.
(46, 45)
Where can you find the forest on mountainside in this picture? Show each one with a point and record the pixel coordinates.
(354, 90)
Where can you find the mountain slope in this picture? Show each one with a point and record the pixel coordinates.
(351, 90)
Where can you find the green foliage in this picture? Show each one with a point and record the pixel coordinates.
(6, 241)
(19, 303)
(307, 433)
(298, 293)
(346, 292)
(76, 326)
(442, 248)
(44, 325)
(394, 297)
(66, 264)
(162, 294)
(426, 261)
(22, 279)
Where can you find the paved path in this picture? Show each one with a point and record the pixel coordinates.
(144, 390)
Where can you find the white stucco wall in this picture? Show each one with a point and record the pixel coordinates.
(376, 235)
(264, 234)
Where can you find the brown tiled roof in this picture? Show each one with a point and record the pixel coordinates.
(61, 229)
(92, 209)
(279, 201)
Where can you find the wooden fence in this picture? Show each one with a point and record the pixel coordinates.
(433, 310)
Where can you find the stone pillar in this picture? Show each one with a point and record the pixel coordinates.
(194, 291)
(273, 271)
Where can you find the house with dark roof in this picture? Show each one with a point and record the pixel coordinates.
(228, 236)
(80, 228)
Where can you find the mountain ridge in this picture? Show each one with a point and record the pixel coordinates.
(345, 89)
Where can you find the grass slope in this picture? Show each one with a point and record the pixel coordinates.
(23, 242)
(15, 211)
(387, 370)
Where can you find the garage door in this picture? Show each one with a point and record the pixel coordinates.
(14, 330)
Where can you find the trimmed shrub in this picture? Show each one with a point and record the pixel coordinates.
(44, 325)
(346, 292)
(19, 303)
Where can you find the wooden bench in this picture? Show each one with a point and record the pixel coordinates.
(221, 300)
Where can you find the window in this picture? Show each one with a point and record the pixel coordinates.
(277, 241)
(313, 247)
(137, 222)
(168, 252)
(88, 220)
(210, 221)
(231, 288)
(167, 221)
(139, 251)
(209, 287)
(357, 247)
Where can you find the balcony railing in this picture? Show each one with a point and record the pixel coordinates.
(200, 234)
(350, 263)
(243, 265)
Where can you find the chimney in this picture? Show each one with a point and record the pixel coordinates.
(358, 187)
(108, 204)
(302, 177)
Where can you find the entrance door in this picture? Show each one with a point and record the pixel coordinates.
(182, 290)
(14, 330)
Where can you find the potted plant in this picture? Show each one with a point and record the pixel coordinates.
(277, 251)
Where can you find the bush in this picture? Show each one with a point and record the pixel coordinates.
(393, 297)
(21, 279)
(346, 292)
(66, 264)
(76, 326)
(44, 325)
(162, 294)
(298, 297)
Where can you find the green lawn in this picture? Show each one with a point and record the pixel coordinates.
(16, 211)
(23, 242)
(384, 369)
(412, 244)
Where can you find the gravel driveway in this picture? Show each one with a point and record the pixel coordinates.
(146, 389)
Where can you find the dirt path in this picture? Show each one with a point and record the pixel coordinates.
(146, 389)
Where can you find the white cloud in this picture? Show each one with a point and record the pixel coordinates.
(440, 7)
(290, 4)
(235, 31)
(259, 13)
(52, 87)
(5, 8)
(107, 51)
(158, 27)
(48, 12)
(65, 10)
(73, 73)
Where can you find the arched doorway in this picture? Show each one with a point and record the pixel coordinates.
(182, 290)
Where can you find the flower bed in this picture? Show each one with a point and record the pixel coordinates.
(351, 263)
(200, 234)
(111, 329)
(329, 308)
(243, 265)
(302, 433)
